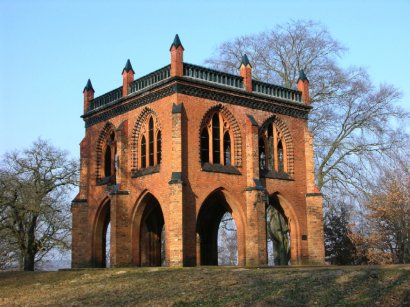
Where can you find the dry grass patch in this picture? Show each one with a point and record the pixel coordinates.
(210, 286)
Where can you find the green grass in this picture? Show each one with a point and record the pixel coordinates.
(210, 286)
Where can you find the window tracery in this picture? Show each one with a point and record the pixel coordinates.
(216, 141)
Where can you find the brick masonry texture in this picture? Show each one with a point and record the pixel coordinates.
(179, 191)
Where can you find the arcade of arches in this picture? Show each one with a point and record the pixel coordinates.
(187, 165)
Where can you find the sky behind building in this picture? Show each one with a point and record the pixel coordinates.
(48, 49)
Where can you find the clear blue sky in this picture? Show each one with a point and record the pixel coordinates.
(48, 49)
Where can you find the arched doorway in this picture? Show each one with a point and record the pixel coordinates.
(277, 233)
(214, 209)
(100, 236)
(149, 233)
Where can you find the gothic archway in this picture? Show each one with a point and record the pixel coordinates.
(99, 253)
(282, 233)
(148, 233)
(214, 208)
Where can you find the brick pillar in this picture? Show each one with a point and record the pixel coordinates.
(255, 205)
(81, 239)
(314, 209)
(84, 161)
(316, 246)
(174, 234)
(120, 240)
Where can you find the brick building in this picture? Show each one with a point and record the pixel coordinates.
(165, 156)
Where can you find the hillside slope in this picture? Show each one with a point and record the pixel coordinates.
(210, 286)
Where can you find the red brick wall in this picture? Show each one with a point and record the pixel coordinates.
(181, 203)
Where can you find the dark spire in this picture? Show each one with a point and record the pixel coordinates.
(128, 67)
(302, 76)
(88, 86)
(245, 61)
(176, 43)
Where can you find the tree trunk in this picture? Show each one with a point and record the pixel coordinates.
(31, 248)
(29, 261)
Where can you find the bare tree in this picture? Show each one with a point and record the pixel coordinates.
(34, 210)
(352, 120)
(388, 209)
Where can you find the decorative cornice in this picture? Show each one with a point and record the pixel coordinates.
(199, 89)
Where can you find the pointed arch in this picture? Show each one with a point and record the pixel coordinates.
(214, 206)
(105, 133)
(293, 223)
(236, 139)
(139, 128)
(148, 222)
(287, 149)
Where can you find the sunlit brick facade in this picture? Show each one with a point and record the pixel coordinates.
(165, 156)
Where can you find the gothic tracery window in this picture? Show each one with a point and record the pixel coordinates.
(216, 141)
(272, 150)
(150, 142)
(108, 157)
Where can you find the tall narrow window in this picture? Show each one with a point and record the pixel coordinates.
(143, 152)
(280, 157)
(262, 154)
(227, 149)
(159, 140)
(216, 142)
(107, 162)
(276, 149)
(151, 141)
(204, 146)
(271, 155)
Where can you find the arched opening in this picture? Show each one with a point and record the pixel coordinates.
(101, 236)
(277, 233)
(214, 210)
(152, 234)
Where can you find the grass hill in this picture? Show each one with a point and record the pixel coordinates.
(210, 286)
